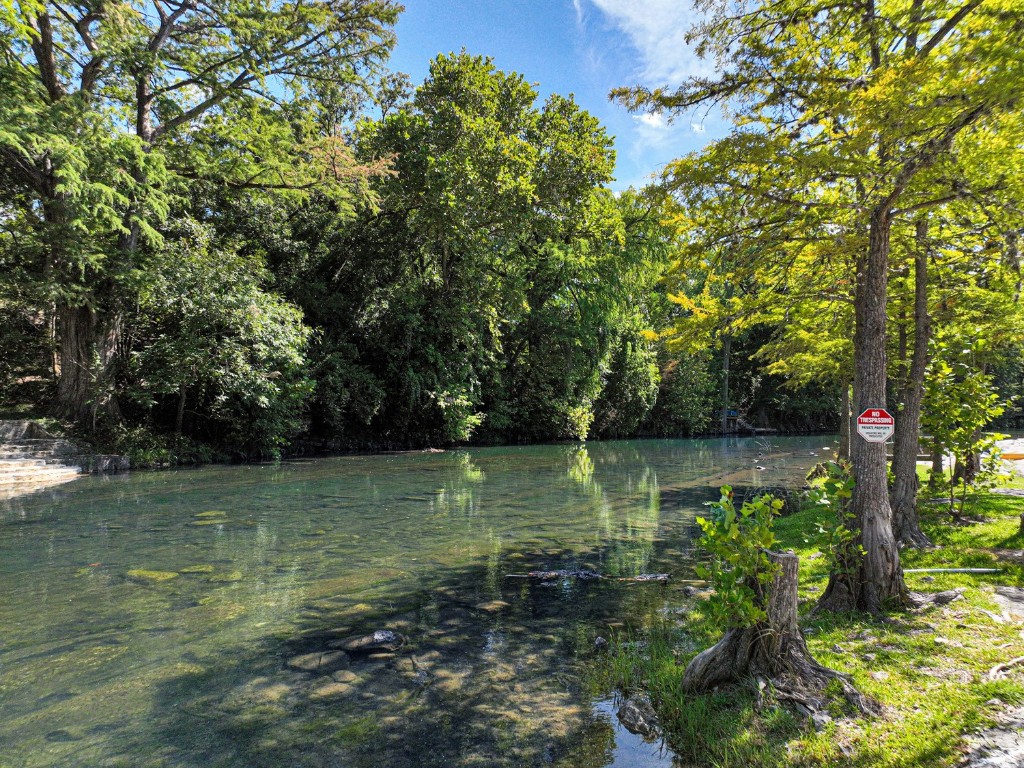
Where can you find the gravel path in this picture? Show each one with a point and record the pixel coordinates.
(1013, 446)
(1001, 747)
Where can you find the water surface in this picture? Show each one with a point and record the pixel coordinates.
(167, 619)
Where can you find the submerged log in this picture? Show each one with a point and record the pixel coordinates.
(773, 651)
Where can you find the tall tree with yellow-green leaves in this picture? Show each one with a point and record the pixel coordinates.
(854, 111)
(108, 109)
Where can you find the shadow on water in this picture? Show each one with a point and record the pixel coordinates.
(488, 674)
(171, 620)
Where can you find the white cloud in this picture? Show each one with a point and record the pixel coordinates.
(657, 30)
(652, 121)
(578, 7)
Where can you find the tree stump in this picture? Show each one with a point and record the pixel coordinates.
(773, 651)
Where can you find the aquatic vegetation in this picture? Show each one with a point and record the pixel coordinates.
(152, 577)
(197, 569)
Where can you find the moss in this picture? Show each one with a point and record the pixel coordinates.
(151, 577)
(198, 569)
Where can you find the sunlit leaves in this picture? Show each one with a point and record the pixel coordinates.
(739, 569)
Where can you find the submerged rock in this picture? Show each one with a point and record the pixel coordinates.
(638, 716)
(150, 577)
(318, 661)
(330, 690)
(492, 606)
(381, 640)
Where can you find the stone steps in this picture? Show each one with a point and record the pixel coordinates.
(32, 459)
(21, 476)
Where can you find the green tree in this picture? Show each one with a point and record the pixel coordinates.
(474, 286)
(213, 347)
(108, 109)
(849, 117)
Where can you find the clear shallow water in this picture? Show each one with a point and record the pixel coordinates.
(106, 659)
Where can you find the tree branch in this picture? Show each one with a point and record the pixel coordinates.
(948, 27)
(22, 167)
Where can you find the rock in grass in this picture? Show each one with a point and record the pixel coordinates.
(225, 578)
(151, 577)
(638, 716)
(197, 569)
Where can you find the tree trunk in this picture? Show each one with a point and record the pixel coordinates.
(935, 479)
(76, 327)
(87, 351)
(845, 424)
(773, 651)
(903, 498)
(726, 354)
(878, 580)
(180, 417)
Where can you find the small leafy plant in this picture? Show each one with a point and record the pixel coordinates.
(832, 489)
(739, 568)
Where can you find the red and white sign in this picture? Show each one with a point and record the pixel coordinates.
(876, 425)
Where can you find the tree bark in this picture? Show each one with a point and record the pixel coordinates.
(76, 328)
(878, 579)
(773, 651)
(903, 497)
(938, 465)
(87, 351)
(845, 424)
(179, 419)
(726, 354)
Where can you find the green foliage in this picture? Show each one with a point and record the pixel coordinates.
(686, 402)
(496, 291)
(739, 569)
(109, 116)
(933, 706)
(836, 538)
(630, 387)
(145, 448)
(217, 350)
(960, 402)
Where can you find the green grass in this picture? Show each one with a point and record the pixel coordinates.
(927, 668)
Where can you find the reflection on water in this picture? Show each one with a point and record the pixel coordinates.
(197, 618)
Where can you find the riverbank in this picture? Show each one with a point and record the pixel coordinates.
(937, 673)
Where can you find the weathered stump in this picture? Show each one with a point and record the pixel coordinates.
(773, 651)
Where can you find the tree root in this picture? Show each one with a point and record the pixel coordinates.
(794, 675)
(913, 538)
(999, 670)
(775, 651)
(919, 600)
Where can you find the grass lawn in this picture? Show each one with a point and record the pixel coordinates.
(926, 668)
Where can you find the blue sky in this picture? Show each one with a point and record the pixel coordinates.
(584, 47)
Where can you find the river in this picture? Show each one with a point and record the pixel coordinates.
(192, 618)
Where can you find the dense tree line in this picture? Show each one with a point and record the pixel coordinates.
(206, 236)
(229, 226)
